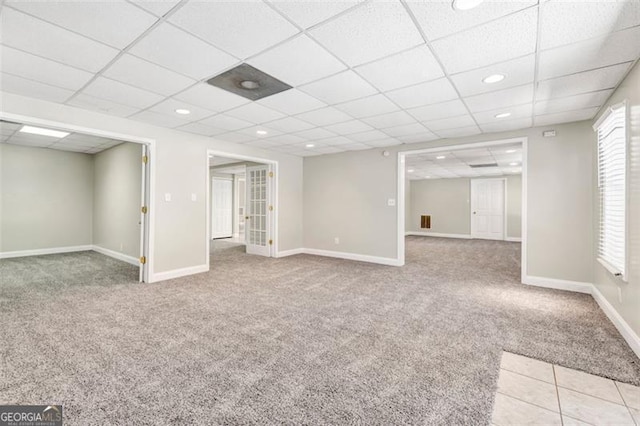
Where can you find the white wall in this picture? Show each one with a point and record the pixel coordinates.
(117, 199)
(47, 198)
(181, 168)
(628, 305)
(346, 195)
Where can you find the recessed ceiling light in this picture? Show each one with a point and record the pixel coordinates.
(309, 145)
(261, 132)
(43, 132)
(503, 115)
(493, 78)
(249, 84)
(441, 157)
(427, 177)
(183, 111)
(410, 171)
(466, 4)
(510, 151)
(513, 164)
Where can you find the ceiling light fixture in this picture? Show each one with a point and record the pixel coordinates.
(513, 164)
(465, 4)
(493, 78)
(441, 157)
(503, 115)
(249, 84)
(183, 111)
(43, 132)
(510, 151)
(309, 145)
(410, 171)
(261, 132)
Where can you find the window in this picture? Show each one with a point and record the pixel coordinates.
(612, 171)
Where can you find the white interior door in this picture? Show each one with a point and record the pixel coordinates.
(221, 208)
(487, 209)
(257, 211)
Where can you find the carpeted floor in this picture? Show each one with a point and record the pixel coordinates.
(297, 340)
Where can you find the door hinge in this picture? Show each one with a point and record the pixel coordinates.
(144, 209)
(143, 260)
(270, 174)
(270, 208)
(270, 242)
(145, 159)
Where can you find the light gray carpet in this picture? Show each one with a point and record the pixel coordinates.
(300, 340)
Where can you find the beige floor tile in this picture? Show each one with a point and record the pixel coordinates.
(588, 383)
(630, 394)
(593, 410)
(528, 390)
(527, 366)
(510, 411)
(569, 421)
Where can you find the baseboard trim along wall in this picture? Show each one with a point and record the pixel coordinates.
(513, 239)
(120, 256)
(291, 252)
(436, 234)
(577, 286)
(353, 256)
(177, 273)
(41, 252)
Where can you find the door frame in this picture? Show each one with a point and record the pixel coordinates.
(401, 175)
(273, 223)
(504, 205)
(147, 228)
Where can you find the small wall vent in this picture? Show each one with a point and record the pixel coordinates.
(477, 166)
(425, 221)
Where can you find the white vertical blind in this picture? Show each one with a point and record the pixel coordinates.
(612, 169)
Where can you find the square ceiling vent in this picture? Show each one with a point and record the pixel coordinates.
(248, 82)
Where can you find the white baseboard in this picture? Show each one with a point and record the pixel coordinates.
(292, 252)
(623, 327)
(40, 252)
(577, 286)
(177, 273)
(116, 255)
(354, 256)
(513, 239)
(439, 235)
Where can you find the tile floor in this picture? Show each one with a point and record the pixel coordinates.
(536, 392)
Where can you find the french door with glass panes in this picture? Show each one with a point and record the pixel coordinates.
(258, 210)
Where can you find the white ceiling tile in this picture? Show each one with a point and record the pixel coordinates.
(372, 31)
(157, 7)
(94, 19)
(146, 75)
(459, 132)
(335, 141)
(314, 134)
(406, 129)
(255, 113)
(588, 81)
(121, 93)
(309, 13)
(369, 106)
(200, 129)
(497, 41)
(339, 88)
(162, 120)
(324, 116)
(169, 107)
(292, 101)
(428, 93)
(288, 139)
(262, 143)
(355, 146)
(366, 137)
(594, 53)
(222, 121)
(423, 137)
(403, 69)
(253, 131)
(45, 71)
(438, 18)
(567, 22)
(389, 120)
(438, 111)
(503, 126)
(389, 141)
(290, 125)
(450, 123)
(21, 86)
(235, 137)
(211, 98)
(520, 111)
(241, 28)
(585, 100)
(565, 117)
(349, 127)
(43, 39)
(501, 98)
(297, 61)
(517, 72)
(329, 150)
(181, 52)
(101, 105)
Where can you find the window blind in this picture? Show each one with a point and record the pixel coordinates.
(612, 165)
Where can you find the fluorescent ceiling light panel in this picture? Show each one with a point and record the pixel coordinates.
(44, 132)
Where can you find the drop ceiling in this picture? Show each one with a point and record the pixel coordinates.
(364, 73)
(501, 160)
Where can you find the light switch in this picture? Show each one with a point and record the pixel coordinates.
(391, 202)
(167, 197)
(194, 197)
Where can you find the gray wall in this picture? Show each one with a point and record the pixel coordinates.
(448, 203)
(346, 195)
(117, 199)
(47, 198)
(628, 305)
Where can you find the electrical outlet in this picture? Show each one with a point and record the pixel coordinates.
(336, 240)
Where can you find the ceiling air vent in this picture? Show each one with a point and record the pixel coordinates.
(477, 166)
(248, 82)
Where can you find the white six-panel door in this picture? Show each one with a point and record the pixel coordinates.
(487, 209)
(258, 213)
(221, 208)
